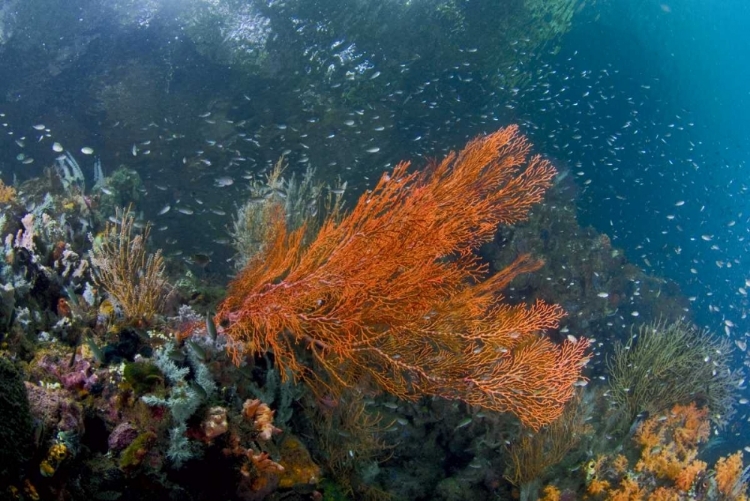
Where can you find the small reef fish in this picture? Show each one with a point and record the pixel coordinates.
(223, 181)
(211, 327)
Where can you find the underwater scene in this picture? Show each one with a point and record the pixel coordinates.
(374, 250)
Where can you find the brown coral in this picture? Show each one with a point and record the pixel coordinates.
(262, 417)
(299, 468)
(684, 480)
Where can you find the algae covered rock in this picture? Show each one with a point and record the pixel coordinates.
(16, 424)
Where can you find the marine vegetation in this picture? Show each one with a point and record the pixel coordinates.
(390, 296)
(302, 199)
(535, 452)
(428, 370)
(122, 265)
(663, 364)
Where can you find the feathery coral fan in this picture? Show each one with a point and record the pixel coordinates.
(131, 275)
(391, 295)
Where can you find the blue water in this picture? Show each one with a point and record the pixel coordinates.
(693, 56)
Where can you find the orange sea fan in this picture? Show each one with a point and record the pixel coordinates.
(393, 296)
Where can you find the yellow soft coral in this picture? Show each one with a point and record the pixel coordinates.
(597, 486)
(686, 477)
(667, 469)
(670, 443)
(629, 491)
(664, 494)
(7, 193)
(550, 493)
(620, 464)
(729, 476)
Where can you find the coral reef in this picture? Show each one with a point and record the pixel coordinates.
(106, 398)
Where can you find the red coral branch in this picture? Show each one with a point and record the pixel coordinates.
(391, 294)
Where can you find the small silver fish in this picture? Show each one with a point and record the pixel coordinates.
(223, 181)
(464, 422)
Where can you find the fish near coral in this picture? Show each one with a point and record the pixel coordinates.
(393, 294)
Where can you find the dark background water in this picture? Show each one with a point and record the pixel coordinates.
(644, 103)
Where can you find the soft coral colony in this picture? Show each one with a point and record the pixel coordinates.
(668, 468)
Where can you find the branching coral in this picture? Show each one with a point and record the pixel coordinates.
(302, 201)
(731, 477)
(7, 194)
(670, 443)
(350, 440)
